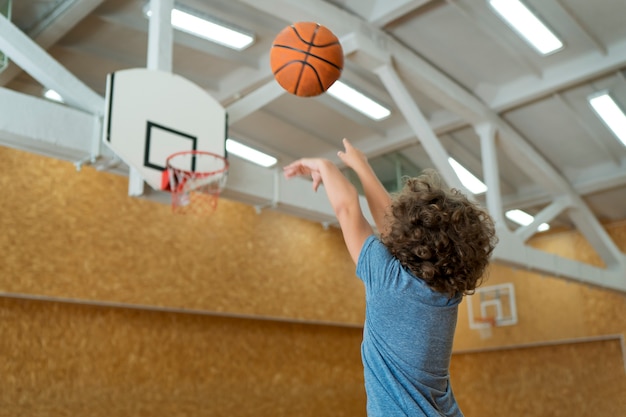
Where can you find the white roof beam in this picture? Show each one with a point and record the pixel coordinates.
(511, 248)
(254, 101)
(515, 253)
(616, 178)
(53, 28)
(535, 166)
(45, 69)
(385, 11)
(558, 77)
(546, 215)
(60, 131)
(378, 60)
(382, 12)
(491, 171)
(418, 122)
(339, 21)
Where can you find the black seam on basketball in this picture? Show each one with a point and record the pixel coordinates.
(310, 43)
(309, 54)
(327, 45)
(306, 56)
(296, 61)
(317, 75)
(286, 64)
(332, 64)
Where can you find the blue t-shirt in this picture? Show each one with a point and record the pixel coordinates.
(407, 339)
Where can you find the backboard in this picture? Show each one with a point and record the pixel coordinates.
(495, 303)
(151, 115)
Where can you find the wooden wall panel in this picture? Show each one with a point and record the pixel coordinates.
(78, 235)
(61, 359)
(576, 379)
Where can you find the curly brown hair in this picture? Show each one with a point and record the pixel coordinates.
(439, 235)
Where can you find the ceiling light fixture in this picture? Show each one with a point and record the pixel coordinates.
(522, 218)
(527, 25)
(358, 101)
(250, 154)
(205, 27)
(610, 113)
(469, 180)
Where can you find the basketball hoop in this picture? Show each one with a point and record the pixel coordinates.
(195, 179)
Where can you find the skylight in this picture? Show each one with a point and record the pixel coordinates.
(527, 25)
(473, 184)
(610, 113)
(250, 154)
(358, 101)
(524, 219)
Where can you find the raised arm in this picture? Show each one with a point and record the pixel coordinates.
(343, 198)
(378, 198)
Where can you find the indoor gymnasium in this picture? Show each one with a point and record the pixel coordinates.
(166, 251)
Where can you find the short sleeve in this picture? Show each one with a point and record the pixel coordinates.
(375, 263)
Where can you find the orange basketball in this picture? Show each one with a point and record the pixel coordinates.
(306, 58)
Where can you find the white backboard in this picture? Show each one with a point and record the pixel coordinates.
(153, 114)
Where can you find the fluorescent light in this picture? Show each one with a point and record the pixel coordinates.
(53, 95)
(358, 101)
(249, 153)
(468, 179)
(522, 218)
(610, 113)
(211, 30)
(527, 25)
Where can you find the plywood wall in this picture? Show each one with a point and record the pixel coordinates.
(78, 235)
(573, 379)
(59, 359)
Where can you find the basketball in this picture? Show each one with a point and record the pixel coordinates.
(306, 59)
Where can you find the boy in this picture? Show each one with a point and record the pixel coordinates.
(433, 248)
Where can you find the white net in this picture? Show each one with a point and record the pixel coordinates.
(196, 180)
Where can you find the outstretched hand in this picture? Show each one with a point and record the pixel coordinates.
(342, 195)
(352, 157)
(311, 167)
(304, 168)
